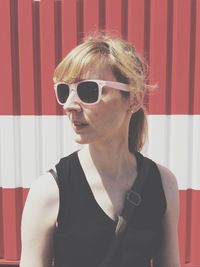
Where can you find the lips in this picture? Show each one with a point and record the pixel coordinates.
(77, 125)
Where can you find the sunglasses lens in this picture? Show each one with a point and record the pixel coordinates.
(62, 92)
(88, 91)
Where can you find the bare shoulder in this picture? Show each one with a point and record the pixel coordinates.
(170, 187)
(43, 196)
(44, 189)
(169, 250)
(39, 222)
(168, 179)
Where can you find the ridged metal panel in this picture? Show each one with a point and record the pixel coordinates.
(35, 35)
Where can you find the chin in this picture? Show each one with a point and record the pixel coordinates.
(84, 141)
(80, 140)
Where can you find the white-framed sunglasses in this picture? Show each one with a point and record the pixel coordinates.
(88, 91)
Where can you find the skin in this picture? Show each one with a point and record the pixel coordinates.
(104, 159)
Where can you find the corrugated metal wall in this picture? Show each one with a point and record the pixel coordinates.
(35, 35)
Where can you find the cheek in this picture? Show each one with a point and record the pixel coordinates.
(98, 119)
(107, 113)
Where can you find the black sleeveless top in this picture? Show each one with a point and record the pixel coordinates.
(84, 232)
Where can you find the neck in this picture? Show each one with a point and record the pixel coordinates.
(112, 160)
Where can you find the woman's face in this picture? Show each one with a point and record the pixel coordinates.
(105, 121)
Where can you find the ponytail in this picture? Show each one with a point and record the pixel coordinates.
(137, 130)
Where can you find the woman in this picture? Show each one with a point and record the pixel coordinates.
(101, 85)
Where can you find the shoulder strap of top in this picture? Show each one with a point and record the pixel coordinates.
(132, 201)
(63, 164)
(54, 174)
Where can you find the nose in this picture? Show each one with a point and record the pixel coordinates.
(72, 104)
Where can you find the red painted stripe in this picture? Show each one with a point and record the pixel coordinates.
(114, 15)
(6, 100)
(91, 16)
(195, 231)
(181, 57)
(189, 233)
(158, 56)
(184, 230)
(196, 59)
(47, 44)
(12, 203)
(69, 25)
(136, 24)
(27, 46)
(1, 225)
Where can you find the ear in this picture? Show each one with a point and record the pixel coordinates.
(136, 101)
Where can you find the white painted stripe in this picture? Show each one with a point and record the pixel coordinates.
(174, 142)
(30, 145)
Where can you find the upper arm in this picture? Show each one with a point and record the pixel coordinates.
(169, 252)
(38, 222)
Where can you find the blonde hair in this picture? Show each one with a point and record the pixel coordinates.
(126, 64)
